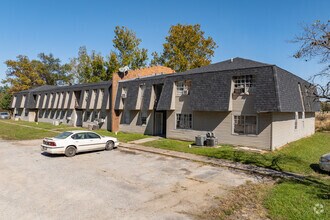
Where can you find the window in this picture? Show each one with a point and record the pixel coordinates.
(142, 89)
(96, 114)
(91, 135)
(124, 92)
(47, 113)
(63, 135)
(79, 136)
(62, 114)
(143, 120)
(244, 124)
(86, 95)
(88, 116)
(183, 87)
(244, 84)
(184, 121)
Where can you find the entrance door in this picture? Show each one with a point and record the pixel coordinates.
(79, 118)
(159, 124)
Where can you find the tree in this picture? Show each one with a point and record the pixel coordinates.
(127, 49)
(5, 98)
(185, 48)
(89, 68)
(112, 64)
(51, 71)
(99, 72)
(315, 44)
(82, 66)
(22, 74)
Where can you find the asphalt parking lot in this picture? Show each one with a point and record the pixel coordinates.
(118, 184)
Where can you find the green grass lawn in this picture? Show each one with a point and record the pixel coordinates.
(16, 131)
(300, 156)
(297, 200)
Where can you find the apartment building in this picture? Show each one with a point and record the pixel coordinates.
(243, 102)
(76, 105)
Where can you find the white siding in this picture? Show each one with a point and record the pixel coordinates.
(283, 130)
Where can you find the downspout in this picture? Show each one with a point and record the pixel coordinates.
(277, 96)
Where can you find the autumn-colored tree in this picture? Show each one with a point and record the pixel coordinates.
(22, 74)
(315, 44)
(127, 49)
(185, 48)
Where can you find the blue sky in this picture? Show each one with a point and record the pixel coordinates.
(252, 29)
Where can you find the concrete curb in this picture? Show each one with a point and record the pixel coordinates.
(251, 169)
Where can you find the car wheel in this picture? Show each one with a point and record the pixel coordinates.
(109, 145)
(70, 151)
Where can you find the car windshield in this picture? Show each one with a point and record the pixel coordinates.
(4, 113)
(63, 135)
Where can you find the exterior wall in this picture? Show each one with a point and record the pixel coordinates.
(283, 127)
(221, 124)
(116, 115)
(61, 104)
(135, 126)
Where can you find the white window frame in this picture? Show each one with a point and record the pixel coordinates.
(181, 86)
(245, 115)
(143, 115)
(181, 113)
(244, 83)
(86, 96)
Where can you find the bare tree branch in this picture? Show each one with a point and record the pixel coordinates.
(315, 44)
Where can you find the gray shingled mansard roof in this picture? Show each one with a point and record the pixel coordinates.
(47, 88)
(277, 90)
(43, 90)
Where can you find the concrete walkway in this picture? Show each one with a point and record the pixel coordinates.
(145, 140)
(214, 161)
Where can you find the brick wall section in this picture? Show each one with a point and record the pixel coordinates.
(131, 74)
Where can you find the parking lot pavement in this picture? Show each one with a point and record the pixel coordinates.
(118, 184)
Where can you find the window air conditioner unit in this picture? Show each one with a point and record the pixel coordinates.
(185, 92)
(124, 95)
